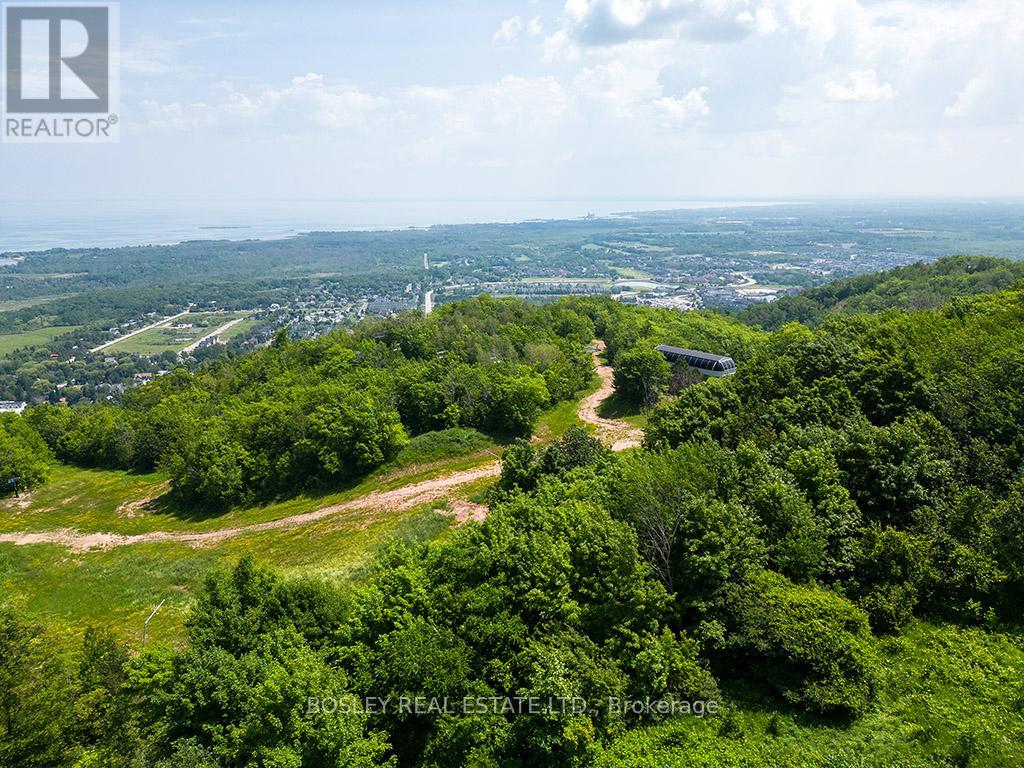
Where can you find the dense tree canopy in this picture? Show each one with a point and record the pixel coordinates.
(298, 415)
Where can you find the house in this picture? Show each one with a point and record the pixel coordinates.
(702, 362)
(12, 406)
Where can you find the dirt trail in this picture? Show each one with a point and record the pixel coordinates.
(397, 499)
(619, 434)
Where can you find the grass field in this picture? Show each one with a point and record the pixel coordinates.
(240, 329)
(167, 337)
(950, 696)
(119, 587)
(15, 341)
(70, 590)
(10, 305)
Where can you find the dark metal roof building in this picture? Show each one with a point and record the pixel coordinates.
(705, 362)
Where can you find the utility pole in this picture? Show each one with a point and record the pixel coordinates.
(145, 624)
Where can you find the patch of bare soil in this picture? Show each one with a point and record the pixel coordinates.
(464, 511)
(21, 501)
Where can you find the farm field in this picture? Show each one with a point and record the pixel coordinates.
(178, 334)
(15, 341)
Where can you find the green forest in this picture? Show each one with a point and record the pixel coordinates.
(818, 561)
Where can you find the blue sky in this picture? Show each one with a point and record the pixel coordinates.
(612, 99)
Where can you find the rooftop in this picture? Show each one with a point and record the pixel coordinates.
(665, 348)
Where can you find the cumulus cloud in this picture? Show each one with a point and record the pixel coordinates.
(985, 99)
(968, 98)
(613, 22)
(308, 102)
(678, 111)
(860, 85)
(508, 32)
(559, 46)
(621, 86)
(521, 103)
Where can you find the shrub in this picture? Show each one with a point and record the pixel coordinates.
(812, 644)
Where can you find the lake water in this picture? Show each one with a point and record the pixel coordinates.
(38, 225)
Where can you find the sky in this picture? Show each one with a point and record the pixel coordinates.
(583, 99)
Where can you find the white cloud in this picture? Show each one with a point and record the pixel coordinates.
(967, 100)
(508, 32)
(860, 85)
(309, 77)
(678, 111)
(519, 103)
(307, 103)
(220, 21)
(151, 55)
(310, 104)
(625, 85)
(560, 47)
(536, 26)
(614, 22)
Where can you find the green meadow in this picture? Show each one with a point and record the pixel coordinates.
(118, 587)
(12, 342)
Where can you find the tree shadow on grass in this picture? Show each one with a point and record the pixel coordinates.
(752, 692)
(618, 407)
(172, 505)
